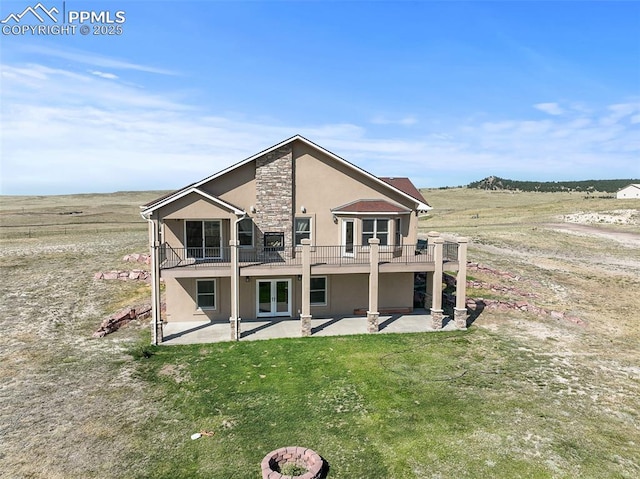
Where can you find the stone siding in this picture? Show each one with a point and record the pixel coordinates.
(274, 195)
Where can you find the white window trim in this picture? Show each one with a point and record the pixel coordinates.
(326, 291)
(219, 221)
(343, 236)
(253, 235)
(311, 223)
(375, 230)
(215, 295)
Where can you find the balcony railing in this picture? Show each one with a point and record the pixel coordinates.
(320, 255)
(450, 251)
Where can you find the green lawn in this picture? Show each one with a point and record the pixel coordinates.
(514, 396)
(462, 404)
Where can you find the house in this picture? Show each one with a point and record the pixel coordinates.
(629, 191)
(295, 231)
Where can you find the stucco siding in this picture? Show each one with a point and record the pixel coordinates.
(193, 206)
(395, 290)
(182, 305)
(322, 184)
(237, 187)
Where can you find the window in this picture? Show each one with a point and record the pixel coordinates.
(203, 239)
(274, 241)
(398, 232)
(318, 291)
(303, 229)
(245, 232)
(206, 294)
(375, 228)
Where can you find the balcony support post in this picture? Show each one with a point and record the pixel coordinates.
(460, 311)
(234, 319)
(374, 259)
(437, 313)
(305, 316)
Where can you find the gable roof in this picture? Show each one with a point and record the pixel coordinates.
(635, 185)
(371, 207)
(165, 200)
(422, 204)
(404, 184)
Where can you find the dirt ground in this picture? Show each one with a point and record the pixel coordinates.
(627, 238)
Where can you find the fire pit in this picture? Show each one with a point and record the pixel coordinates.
(278, 464)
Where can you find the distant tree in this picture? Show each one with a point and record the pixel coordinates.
(590, 186)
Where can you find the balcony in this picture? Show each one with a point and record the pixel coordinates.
(414, 257)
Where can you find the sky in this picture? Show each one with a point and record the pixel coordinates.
(160, 94)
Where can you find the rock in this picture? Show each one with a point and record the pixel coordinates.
(575, 320)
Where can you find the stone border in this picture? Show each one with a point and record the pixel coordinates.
(301, 456)
(121, 318)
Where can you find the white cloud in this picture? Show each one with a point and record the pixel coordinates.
(77, 132)
(91, 58)
(108, 76)
(550, 108)
(620, 111)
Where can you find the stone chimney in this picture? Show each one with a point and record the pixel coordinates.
(274, 195)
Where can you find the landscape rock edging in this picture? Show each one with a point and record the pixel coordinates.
(523, 306)
(122, 317)
(124, 275)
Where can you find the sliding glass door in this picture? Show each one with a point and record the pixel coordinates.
(203, 239)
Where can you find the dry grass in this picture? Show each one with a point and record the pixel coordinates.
(585, 274)
(71, 406)
(33, 216)
(68, 403)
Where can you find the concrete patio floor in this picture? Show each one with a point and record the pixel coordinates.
(200, 332)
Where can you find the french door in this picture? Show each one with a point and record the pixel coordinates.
(203, 239)
(347, 237)
(273, 297)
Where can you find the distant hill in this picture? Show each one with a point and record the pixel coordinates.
(586, 186)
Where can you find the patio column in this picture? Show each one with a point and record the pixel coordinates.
(234, 319)
(437, 314)
(305, 317)
(374, 259)
(460, 311)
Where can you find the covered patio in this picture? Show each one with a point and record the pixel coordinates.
(200, 332)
